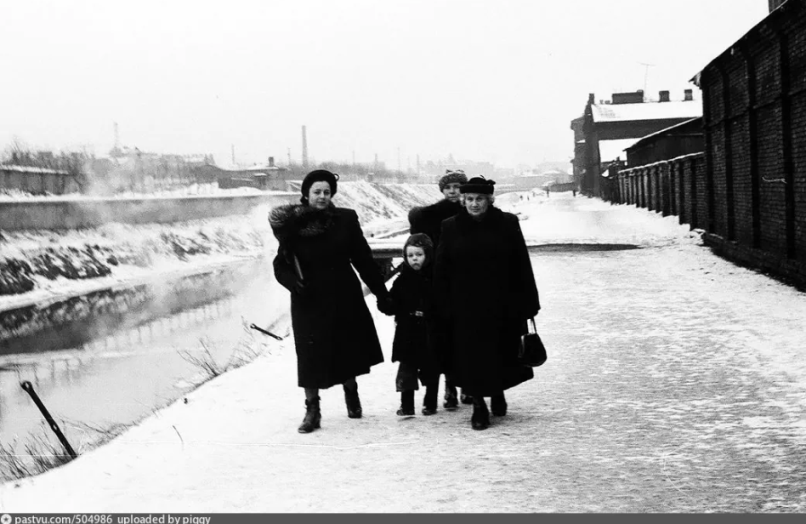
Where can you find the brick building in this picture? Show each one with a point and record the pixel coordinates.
(747, 190)
(607, 128)
(754, 99)
(682, 139)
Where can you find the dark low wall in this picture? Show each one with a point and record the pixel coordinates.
(63, 213)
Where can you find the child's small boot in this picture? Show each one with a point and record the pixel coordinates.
(406, 404)
(430, 401)
(451, 400)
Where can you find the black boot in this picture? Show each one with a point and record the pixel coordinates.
(313, 416)
(465, 398)
(430, 400)
(498, 405)
(451, 400)
(353, 402)
(406, 404)
(481, 415)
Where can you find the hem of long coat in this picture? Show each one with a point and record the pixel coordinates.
(330, 384)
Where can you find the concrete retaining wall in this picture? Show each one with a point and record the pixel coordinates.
(64, 213)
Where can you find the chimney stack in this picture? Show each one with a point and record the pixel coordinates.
(689, 95)
(664, 96)
(591, 99)
(271, 161)
(304, 148)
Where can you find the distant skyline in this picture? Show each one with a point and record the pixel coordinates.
(483, 80)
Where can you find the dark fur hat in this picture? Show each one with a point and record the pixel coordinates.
(452, 177)
(478, 185)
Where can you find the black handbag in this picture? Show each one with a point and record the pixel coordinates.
(532, 352)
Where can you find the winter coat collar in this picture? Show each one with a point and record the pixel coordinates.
(492, 216)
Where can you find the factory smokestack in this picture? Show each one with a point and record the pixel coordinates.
(304, 148)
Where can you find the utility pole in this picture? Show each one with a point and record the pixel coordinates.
(233, 154)
(289, 157)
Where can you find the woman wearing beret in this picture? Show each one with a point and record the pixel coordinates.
(334, 333)
(485, 290)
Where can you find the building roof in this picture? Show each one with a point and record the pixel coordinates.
(645, 111)
(665, 131)
(609, 150)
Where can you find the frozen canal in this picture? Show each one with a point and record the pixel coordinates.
(121, 378)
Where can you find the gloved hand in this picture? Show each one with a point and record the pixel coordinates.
(386, 305)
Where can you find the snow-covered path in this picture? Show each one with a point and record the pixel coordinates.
(675, 383)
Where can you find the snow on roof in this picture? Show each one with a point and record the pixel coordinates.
(609, 150)
(28, 169)
(645, 111)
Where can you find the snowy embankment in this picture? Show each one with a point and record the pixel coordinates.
(40, 267)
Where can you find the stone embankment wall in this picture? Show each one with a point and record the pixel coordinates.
(66, 213)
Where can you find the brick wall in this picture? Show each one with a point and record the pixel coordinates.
(748, 190)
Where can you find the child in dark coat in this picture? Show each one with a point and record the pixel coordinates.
(411, 302)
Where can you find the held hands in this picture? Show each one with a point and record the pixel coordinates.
(386, 305)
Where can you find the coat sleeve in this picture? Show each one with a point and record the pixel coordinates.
(524, 282)
(361, 257)
(283, 270)
(416, 221)
(442, 272)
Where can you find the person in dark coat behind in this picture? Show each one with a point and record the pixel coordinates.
(485, 289)
(428, 220)
(334, 333)
(411, 302)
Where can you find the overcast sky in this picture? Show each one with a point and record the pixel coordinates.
(494, 80)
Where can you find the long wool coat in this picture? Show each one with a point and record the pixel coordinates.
(411, 293)
(334, 332)
(485, 289)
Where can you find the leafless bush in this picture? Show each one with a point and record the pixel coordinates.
(204, 361)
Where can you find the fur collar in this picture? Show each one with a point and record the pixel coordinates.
(300, 220)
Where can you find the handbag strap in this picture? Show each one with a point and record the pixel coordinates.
(534, 328)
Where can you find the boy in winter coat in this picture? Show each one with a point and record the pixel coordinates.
(411, 302)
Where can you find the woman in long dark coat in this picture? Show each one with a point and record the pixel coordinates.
(485, 289)
(334, 333)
